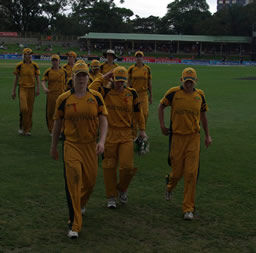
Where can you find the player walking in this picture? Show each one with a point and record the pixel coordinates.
(123, 106)
(188, 108)
(26, 75)
(56, 78)
(80, 112)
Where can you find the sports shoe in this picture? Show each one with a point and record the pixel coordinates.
(20, 132)
(111, 203)
(72, 234)
(83, 209)
(28, 134)
(188, 216)
(123, 197)
(168, 194)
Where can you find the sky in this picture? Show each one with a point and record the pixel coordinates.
(146, 8)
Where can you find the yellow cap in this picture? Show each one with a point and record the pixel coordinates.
(55, 56)
(72, 53)
(189, 74)
(120, 74)
(80, 61)
(139, 53)
(27, 51)
(95, 64)
(80, 67)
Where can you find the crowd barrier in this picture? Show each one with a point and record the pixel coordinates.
(161, 60)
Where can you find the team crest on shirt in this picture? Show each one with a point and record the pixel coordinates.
(90, 101)
(197, 98)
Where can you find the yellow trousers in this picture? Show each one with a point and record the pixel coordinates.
(81, 163)
(184, 157)
(50, 109)
(27, 98)
(115, 153)
(144, 105)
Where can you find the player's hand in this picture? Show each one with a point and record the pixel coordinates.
(46, 90)
(99, 148)
(54, 153)
(13, 94)
(143, 134)
(150, 100)
(208, 141)
(37, 92)
(165, 130)
(108, 75)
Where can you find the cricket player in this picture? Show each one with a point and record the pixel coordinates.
(69, 83)
(26, 76)
(81, 113)
(56, 78)
(94, 71)
(71, 61)
(123, 106)
(140, 78)
(188, 108)
(109, 64)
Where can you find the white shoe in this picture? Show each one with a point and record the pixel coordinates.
(72, 234)
(188, 216)
(28, 134)
(20, 132)
(83, 209)
(123, 197)
(168, 194)
(111, 203)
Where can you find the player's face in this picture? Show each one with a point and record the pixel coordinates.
(110, 57)
(95, 70)
(71, 60)
(27, 57)
(55, 62)
(119, 84)
(81, 79)
(188, 86)
(139, 59)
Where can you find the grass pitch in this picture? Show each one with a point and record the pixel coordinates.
(33, 210)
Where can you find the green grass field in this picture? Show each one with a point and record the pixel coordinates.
(33, 210)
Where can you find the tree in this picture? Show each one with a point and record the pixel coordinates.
(184, 16)
(22, 13)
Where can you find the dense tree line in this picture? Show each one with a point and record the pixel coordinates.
(77, 17)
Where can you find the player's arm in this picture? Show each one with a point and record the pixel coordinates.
(150, 91)
(43, 83)
(55, 137)
(165, 130)
(15, 82)
(37, 85)
(204, 120)
(103, 133)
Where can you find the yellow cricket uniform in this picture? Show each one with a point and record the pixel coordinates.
(105, 67)
(68, 69)
(93, 76)
(185, 140)
(56, 84)
(123, 108)
(69, 84)
(139, 78)
(27, 73)
(80, 124)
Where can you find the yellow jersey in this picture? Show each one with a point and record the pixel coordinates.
(185, 109)
(139, 77)
(56, 79)
(27, 73)
(105, 67)
(80, 115)
(68, 69)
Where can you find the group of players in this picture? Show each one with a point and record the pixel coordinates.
(99, 110)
